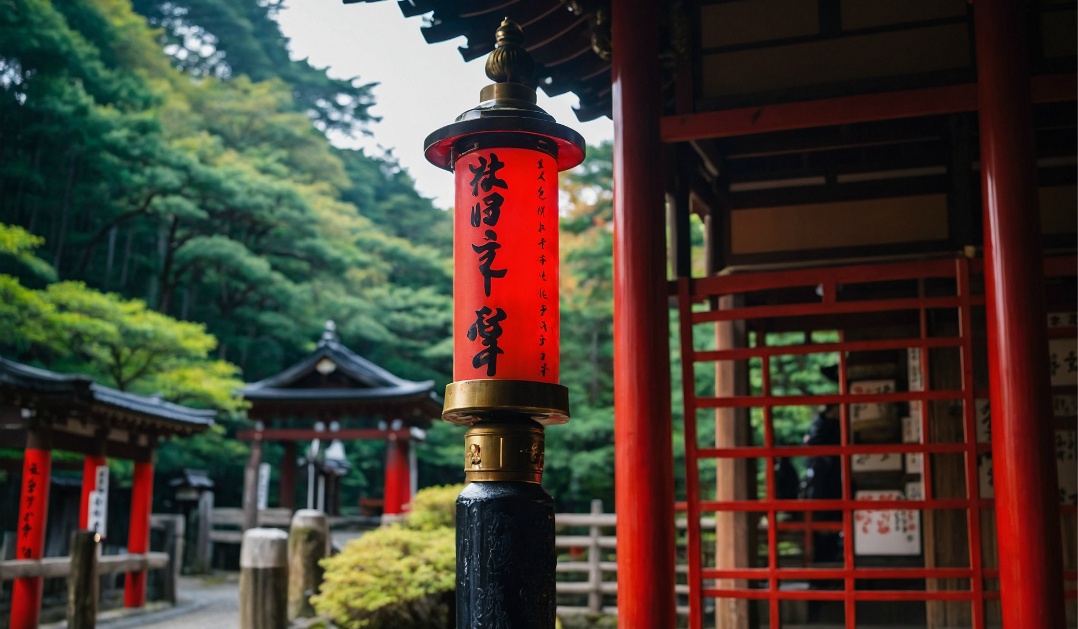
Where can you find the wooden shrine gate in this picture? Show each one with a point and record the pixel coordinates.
(914, 515)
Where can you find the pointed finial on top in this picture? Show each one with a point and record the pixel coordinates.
(510, 62)
(329, 333)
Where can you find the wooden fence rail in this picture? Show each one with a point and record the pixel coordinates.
(600, 566)
(60, 567)
(593, 576)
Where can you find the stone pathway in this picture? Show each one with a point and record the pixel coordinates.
(205, 603)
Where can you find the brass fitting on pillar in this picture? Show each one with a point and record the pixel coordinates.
(470, 401)
(504, 450)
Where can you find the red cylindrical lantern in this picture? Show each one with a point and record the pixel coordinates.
(506, 154)
(506, 266)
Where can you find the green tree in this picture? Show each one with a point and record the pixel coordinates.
(120, 341)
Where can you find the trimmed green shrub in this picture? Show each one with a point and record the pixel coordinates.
(433, 508)
(397, 576)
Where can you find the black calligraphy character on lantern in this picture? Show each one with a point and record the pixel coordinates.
(542, 227)
(492, 210)
(541, 210)
(541, 177)
(486, 259)
(485, 175)
(487, 326)
(542, 195)
(542, 310)
(542, 243)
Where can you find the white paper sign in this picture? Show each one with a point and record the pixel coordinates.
(876, 462)
(911, 428)
(97, 519)
(1064, 405)
(914, 369)
(887, 531)
(1062, 319)
(101, 479)
(1063, 361)
(874, 410)
(263, 485)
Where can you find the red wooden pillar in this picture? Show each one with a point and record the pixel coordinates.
(33, 518)
(89, 485)
(287, 499)
(644, 467)
(1027, 498)
(405, 446)
(398, 482)
(138, 537)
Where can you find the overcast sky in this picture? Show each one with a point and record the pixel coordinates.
(421, 86)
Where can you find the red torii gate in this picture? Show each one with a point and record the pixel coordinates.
(334, 386)
(50, 411)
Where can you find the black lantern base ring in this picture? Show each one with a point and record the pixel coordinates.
(470, 401)
(505, 556)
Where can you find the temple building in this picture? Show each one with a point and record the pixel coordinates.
(888, 187)
(328, 398)
(43, 412)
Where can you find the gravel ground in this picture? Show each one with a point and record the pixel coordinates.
(205, 603)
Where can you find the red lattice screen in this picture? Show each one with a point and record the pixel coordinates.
(934, 311)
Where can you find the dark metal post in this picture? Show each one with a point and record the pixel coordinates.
(505, 385)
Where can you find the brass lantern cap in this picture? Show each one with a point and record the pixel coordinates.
(506, 108)
(470, 401)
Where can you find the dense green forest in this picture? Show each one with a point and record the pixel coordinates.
(173, 220)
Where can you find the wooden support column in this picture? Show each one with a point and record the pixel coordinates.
(250, 484)
(642, 428)
(90, 463)
(735, 537)
(407, 459)
(138, 536)
(397, 483)
(1027, 498)
(33, 518)
(287, 499)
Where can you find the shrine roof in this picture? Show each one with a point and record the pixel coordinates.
(335, 373)
(82, 388)
(569, 41)
(74, 405)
